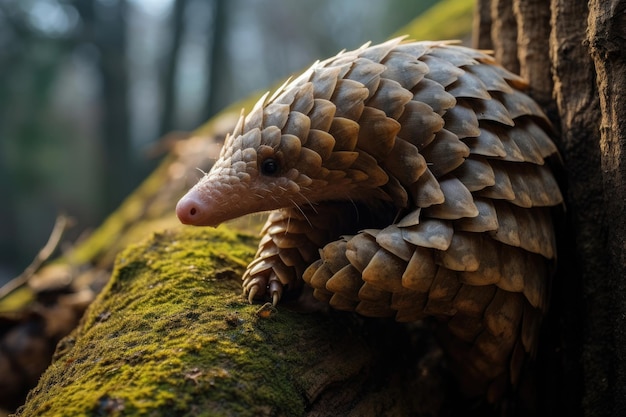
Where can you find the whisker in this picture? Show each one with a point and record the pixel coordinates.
(397, 217)
(303, 213)
(356, 210)
(308, 202)
(202, 172)
(275, 200)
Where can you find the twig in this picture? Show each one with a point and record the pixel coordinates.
(60, 226)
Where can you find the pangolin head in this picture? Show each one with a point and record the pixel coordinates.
(288, 152)
(258, 170)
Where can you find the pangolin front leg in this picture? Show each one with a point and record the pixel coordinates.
(291, 241)
(408, 180)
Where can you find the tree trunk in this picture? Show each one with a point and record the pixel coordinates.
(177, 27)
(107, 31)
(605, 37)
(581, 65)
(220, 80)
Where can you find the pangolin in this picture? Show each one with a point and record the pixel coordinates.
(407, 180)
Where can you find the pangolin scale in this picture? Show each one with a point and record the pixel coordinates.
(406, 180)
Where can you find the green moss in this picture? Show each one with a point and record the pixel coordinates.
(172, 335)
(448, 19)
(16, 300)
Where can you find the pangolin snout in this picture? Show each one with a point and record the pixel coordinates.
(190, 210)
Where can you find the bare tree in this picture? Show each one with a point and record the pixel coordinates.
(169, 73)
(218, 60)
(107, 30)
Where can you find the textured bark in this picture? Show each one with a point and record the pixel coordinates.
(481, 30)
(533, 32)
(605, 37)
(577, 102)
(581, 65)
(504, 34)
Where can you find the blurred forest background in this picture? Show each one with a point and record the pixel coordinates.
(87, 88)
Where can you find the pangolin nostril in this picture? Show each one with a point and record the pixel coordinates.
(188, 210)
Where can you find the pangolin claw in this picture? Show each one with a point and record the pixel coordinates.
(252, 292)
(275, 289)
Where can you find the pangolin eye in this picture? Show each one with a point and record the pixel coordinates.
(269, 166)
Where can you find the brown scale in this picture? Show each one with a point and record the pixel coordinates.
(445, 154)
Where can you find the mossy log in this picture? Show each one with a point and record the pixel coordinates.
(171, 334)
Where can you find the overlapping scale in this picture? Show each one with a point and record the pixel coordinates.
(458, 201)
(405, 68)
(390, 97)
(418, 124)
(468, 85)
(367, 73)
(445, 153)
(434, 95)
(349, 99)
(441, 71)
(491, 77)
(461, 120)
(405, 162)
(476, 173)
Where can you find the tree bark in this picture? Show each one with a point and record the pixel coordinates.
(581, 66)
(504, 34)
(605, 37)
(533, 51)
(576, 95)
(481, 30)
